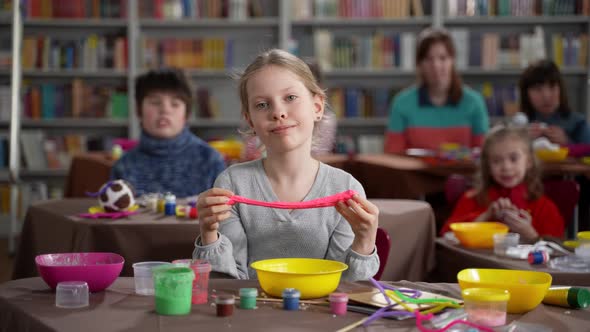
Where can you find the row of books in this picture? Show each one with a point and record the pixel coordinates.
(207, 53)
(195, 9)
(305, 9)
(458, 8)
(41, 152)
(77, 99)
(90, 53)
(347, 144)
(355, 102)
(492, 50)
(75, 8)
(379, 50)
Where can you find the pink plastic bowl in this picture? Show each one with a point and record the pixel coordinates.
(98, 269)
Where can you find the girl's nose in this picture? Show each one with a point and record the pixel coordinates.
(279, 112)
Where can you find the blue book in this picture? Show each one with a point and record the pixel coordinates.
(47, 101)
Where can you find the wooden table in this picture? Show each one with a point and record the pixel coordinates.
(52, 227)
(29, 305)
(452, 258)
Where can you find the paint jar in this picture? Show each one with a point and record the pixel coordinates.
(291, 299)
(248, 298)
(71, 294)
(225, 305)
(486, 306)
(338, 302)
(170, 205)
(568, 297)
(161, 203)
(538, 257)
(173, 289)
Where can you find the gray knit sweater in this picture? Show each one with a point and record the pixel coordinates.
(254, 233)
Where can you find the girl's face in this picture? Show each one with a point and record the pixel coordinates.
(509, 162)
(163, 115)
(281, 110)
(544, 97)
(436, 68)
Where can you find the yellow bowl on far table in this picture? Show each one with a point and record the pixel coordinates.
(478, 234)
(313, 277)
(552, 155)
(527, 288)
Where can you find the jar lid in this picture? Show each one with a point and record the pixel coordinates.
(225, 299)
(248, 292)
(291, 293)
(585, 235)
(486, 294)
(578, 297)
(338, 297)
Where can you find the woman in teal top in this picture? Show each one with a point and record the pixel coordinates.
(441, 109)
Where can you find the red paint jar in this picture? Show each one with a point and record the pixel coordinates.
(225, 305)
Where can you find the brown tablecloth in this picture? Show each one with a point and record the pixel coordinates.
(29, 305)
(452, 258)
(52, 227)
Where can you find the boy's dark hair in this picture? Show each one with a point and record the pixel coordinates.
(538, 73)
(169, 80)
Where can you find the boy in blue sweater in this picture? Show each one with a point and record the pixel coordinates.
(168, 158)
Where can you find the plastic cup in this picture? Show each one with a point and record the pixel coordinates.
(173, 289)
(142, 275)
(71, 294)
(486, 306)
(504, 241)
(201, 268)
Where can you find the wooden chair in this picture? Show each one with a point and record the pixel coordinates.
(87, 173)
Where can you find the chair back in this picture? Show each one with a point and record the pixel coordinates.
(87, 173)
(565, 194)
(455, 186)
(383, 244)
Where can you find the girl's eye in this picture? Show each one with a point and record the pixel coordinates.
(261, 106)
(291, 97)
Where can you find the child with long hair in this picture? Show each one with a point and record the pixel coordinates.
(284, 107)
(508, 189)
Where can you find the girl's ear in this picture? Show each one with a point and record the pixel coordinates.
(318, 107)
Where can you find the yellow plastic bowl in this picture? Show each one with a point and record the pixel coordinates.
(527, 288)
(478, 234)
(550, 155)
(312, 277)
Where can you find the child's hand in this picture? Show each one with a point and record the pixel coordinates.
(497, 208)
(521, 222)
(556, 135)
(363, 217)
(212, 209)
(536, 130)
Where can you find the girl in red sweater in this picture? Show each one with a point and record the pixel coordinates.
(508, 189)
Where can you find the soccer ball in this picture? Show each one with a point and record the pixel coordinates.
(116, 196)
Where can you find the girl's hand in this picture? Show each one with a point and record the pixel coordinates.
(556, 135)
(536, 130)
(212, 209)
(363, 217)
(498, 208)
(521, 222)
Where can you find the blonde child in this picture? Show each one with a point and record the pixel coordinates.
(509, 189)
(284, 106)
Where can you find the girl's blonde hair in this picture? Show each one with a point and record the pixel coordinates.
(483, 177)
(324, 130)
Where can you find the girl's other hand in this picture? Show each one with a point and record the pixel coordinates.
(212, 209)
(556, 135)
(363, 217)
(521, 222)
